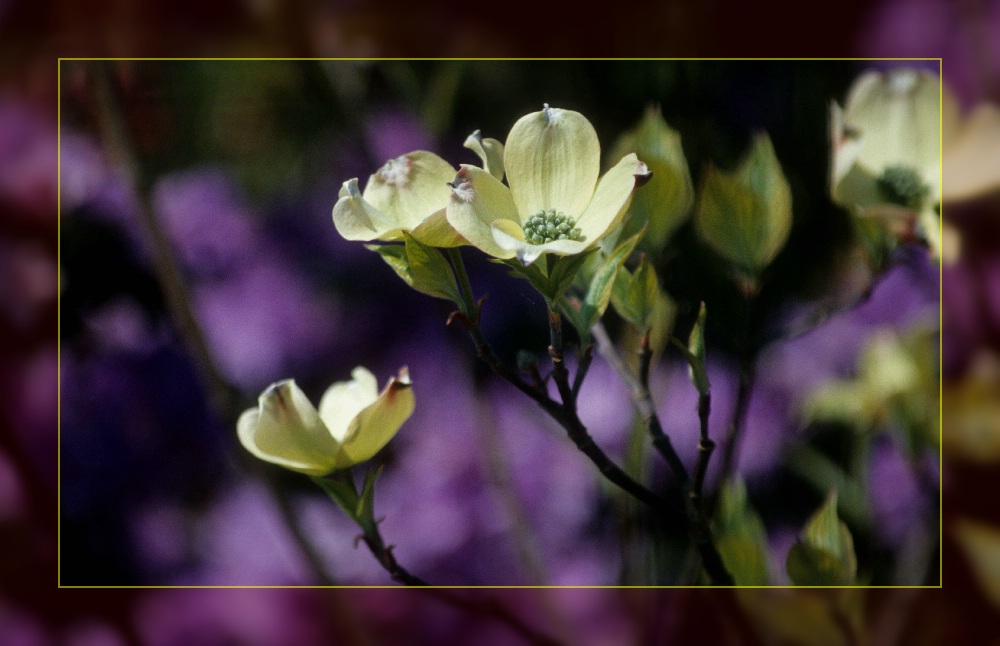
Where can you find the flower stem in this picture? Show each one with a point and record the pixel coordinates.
(698, 527)
(705, 447)
(468, 303)
(383, 554)
(586, 358)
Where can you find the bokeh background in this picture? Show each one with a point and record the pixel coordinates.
(156, 491)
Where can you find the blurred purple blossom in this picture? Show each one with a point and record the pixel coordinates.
(208, 222)
(266, 322)
(965, 35)
(894, 493)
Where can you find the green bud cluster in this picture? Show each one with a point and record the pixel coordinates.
(546, 226)
(902, 186)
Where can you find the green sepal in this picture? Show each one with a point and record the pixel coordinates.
(562, 273)
(634, 294)
(555, 279)
(421, 267)
(366, 502)
(740, 536)
(696, 354)
(638, 299)
(746, 215)
(430, 270)
(598, 294)
(665, 201)
(340, 486)
(825, 553)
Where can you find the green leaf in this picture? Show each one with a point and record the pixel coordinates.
(746, 215)
(825, 554)
(563, 271)
(634, 295)
(661, 322)
(394, 255)
(572, 309)
(421, 267)
(665, 202)
(430, 271)
(595, 303)
(339, 485)
(532, 273)
(553, 281)
(696, 354)
(740, 536)
(366, 502)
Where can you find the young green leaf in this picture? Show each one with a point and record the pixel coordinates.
(430, 271)
(595, 303)
(366, 502)
(740, 536)
(696, 354)
(339, 485)
(825, 553)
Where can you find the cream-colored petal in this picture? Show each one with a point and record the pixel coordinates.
(611, 199)
(356, 219)
(898, 114)
(490, 151)
(478, 199)
(343, 400)
(972, 156)
(379, 422)
(410, 187)
(436, 231)
(286, 430)
(552, 159)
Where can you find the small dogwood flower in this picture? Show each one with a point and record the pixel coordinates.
(552, 202)
(887, 148)
(408, 193)
(353, 423)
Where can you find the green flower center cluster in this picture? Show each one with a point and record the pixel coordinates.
(546, 226)
(902, 186)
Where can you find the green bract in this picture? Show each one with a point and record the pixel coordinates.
(887, 148)
(353, 423)
(746, 215)
(409, 193)
(552, 162)
(664, 204)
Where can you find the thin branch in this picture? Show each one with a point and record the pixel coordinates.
(734, 434)
(643, 402)
(705, 447)
(586, 358)
(698, 527)
(383, 554)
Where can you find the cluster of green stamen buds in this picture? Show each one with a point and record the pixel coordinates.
(546, 226)
(902, 186)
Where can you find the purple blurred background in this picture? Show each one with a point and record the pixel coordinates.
(155, 491)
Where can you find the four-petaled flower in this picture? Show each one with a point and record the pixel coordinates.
(553, 201)
(353, 423)
(887, 149)
(408, 193)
